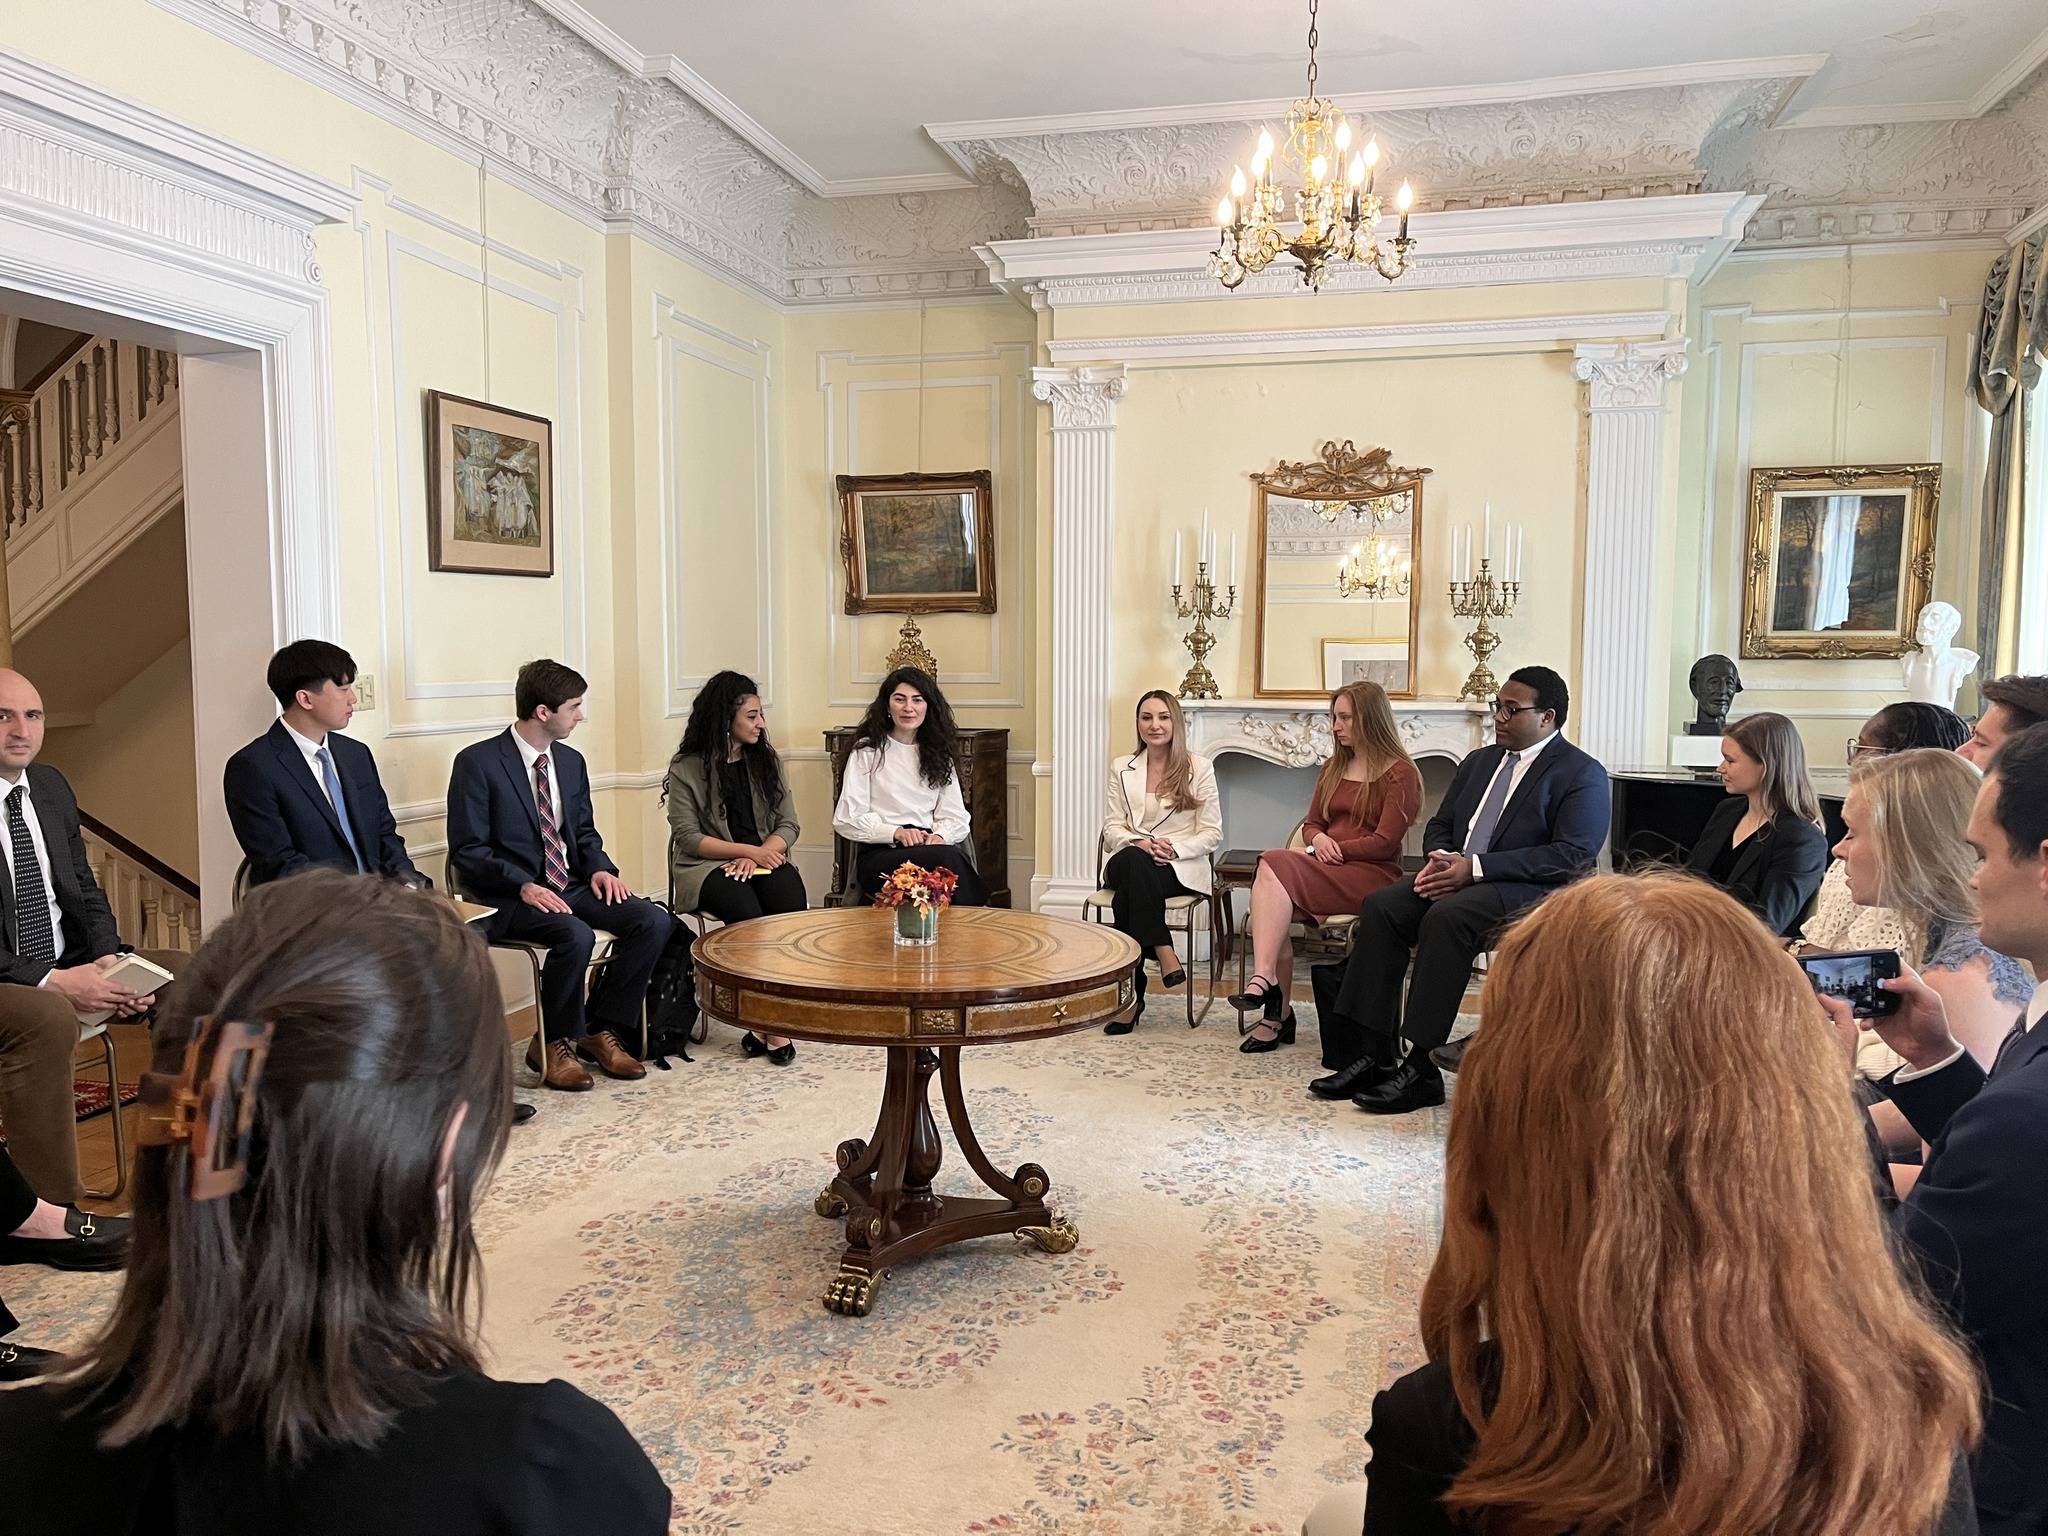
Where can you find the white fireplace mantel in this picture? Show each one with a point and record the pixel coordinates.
(1295, 733)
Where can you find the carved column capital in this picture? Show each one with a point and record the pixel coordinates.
(1081, 397)
(1628, 375)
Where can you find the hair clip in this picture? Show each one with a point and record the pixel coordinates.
(212, 1116)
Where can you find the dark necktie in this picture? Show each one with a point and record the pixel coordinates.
(1481, 837)
(553, 855)
(2013, 1037)
(33, 937)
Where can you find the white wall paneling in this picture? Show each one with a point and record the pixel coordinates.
(690, 512)
(998, 682)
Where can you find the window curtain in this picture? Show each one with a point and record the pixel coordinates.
(2011, 339)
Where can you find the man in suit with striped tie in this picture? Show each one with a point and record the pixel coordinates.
(521, 837)
(57, 938)
(1977, 1217)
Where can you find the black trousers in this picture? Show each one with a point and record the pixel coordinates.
(1443, 938)
(642, 930)
(1141, 885)
(17, 1204)
(876, 861)
(734, 901)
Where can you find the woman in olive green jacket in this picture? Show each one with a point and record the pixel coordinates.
(732, 821)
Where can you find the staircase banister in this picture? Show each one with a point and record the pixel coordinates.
(138, 855)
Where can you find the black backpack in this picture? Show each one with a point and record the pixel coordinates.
(672, 1000)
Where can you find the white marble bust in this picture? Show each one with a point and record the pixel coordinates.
(1936, 670)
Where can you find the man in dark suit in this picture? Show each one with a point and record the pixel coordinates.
(521, 837)
(1977, 1216)
(303, 795)
(57, 939)
(1521, 818)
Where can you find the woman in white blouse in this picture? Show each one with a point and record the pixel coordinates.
(1162, 824)
(900, 800)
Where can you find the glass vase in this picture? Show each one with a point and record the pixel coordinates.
(916, 929)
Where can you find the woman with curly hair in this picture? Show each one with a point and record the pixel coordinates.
(900, 801)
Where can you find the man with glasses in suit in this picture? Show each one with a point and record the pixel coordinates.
(1521, 818)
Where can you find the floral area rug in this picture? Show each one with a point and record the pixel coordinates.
(1249, 1267)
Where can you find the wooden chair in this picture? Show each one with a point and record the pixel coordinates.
(1180, 918)
(98, 1032)
(699, 922)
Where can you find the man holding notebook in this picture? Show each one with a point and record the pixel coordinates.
(58, 944)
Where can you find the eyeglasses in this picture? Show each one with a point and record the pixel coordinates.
(1503, 710)
(1860, 749)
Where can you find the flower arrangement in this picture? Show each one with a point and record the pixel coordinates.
(915, 886)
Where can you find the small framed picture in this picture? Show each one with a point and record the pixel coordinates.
(919, 543)
(490, 489)
(1840, 559)
(1374, 661)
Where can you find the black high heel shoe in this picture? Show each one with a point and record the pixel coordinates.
(753, 1044)
(1252, 1045)
(1125, 1026)
(1174, 977)
(1249, 1001)
(780, 1056)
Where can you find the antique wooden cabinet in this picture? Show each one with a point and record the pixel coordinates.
(983, 763)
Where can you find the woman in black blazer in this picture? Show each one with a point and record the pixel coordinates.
(1765, 846)
(1662, 1267)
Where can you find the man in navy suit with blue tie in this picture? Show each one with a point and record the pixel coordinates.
(302, 795)
(1977, 1216)
(522, 837)
(1521, 818)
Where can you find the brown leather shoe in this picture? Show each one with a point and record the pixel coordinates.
(612, 1058)
(564, 1071)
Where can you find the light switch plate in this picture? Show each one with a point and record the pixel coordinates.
(366, 693)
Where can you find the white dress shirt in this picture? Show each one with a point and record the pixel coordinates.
(1520, 769)
(311, 750)
(529, 756)
(885, 789)
(2037, 1009)
(35, 837)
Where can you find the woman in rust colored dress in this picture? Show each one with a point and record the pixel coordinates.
(1365, 799)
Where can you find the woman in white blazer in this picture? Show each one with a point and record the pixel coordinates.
(1161, 825)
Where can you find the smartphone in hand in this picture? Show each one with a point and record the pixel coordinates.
(1853, 975)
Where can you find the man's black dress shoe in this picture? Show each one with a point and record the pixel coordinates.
(521, 1111)
(1447, 1057)
(18, 1362)
(1362, 1073)
(93, 1242)
(1408, 1087)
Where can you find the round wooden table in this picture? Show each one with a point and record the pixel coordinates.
(995, 976)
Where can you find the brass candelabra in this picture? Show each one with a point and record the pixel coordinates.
(1203, 606)
(1483, 598)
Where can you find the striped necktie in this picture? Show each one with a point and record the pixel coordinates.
(553, 855)
(33, 939)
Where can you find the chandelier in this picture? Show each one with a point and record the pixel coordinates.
(1371, 571)
(1335, 204)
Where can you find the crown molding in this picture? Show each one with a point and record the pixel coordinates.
(1534, 330)
(1987, 96)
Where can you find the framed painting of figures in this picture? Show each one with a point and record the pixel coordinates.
(490, 489)
(918, 543)
(1840, 559)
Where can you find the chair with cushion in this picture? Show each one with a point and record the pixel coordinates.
(699, 922)
(1180, 918)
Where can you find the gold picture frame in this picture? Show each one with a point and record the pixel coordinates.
(1839, 559)
(918, 543)
(490, 488)
(1354, 491)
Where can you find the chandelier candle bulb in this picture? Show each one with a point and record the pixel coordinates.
(1237, 182)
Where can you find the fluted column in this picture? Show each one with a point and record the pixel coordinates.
(1622, 647)
(1083, 402)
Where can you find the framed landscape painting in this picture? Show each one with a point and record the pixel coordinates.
(490, 489)
(918, 543)
(1840, 559)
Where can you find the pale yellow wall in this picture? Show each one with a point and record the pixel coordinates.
(1822, 360)
(132, 766)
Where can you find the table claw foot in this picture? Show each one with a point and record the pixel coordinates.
(829, 1204)
(852, 1292)
(1061, 1237)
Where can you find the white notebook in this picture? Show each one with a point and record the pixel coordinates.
(137, 975)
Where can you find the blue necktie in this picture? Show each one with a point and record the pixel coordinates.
(1481, 837)
(340, 805)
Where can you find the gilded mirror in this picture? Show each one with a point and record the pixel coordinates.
(1335, 573)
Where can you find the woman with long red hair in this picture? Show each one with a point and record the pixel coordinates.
(1664, 1301)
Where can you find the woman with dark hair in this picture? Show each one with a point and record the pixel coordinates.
(900, 801)
(1665, 1299)
(1906, 726)
(1162, 822)
(732, 821)
(294, 1348)
(1765, 845)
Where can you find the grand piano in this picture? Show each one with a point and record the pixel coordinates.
(1659, 813)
